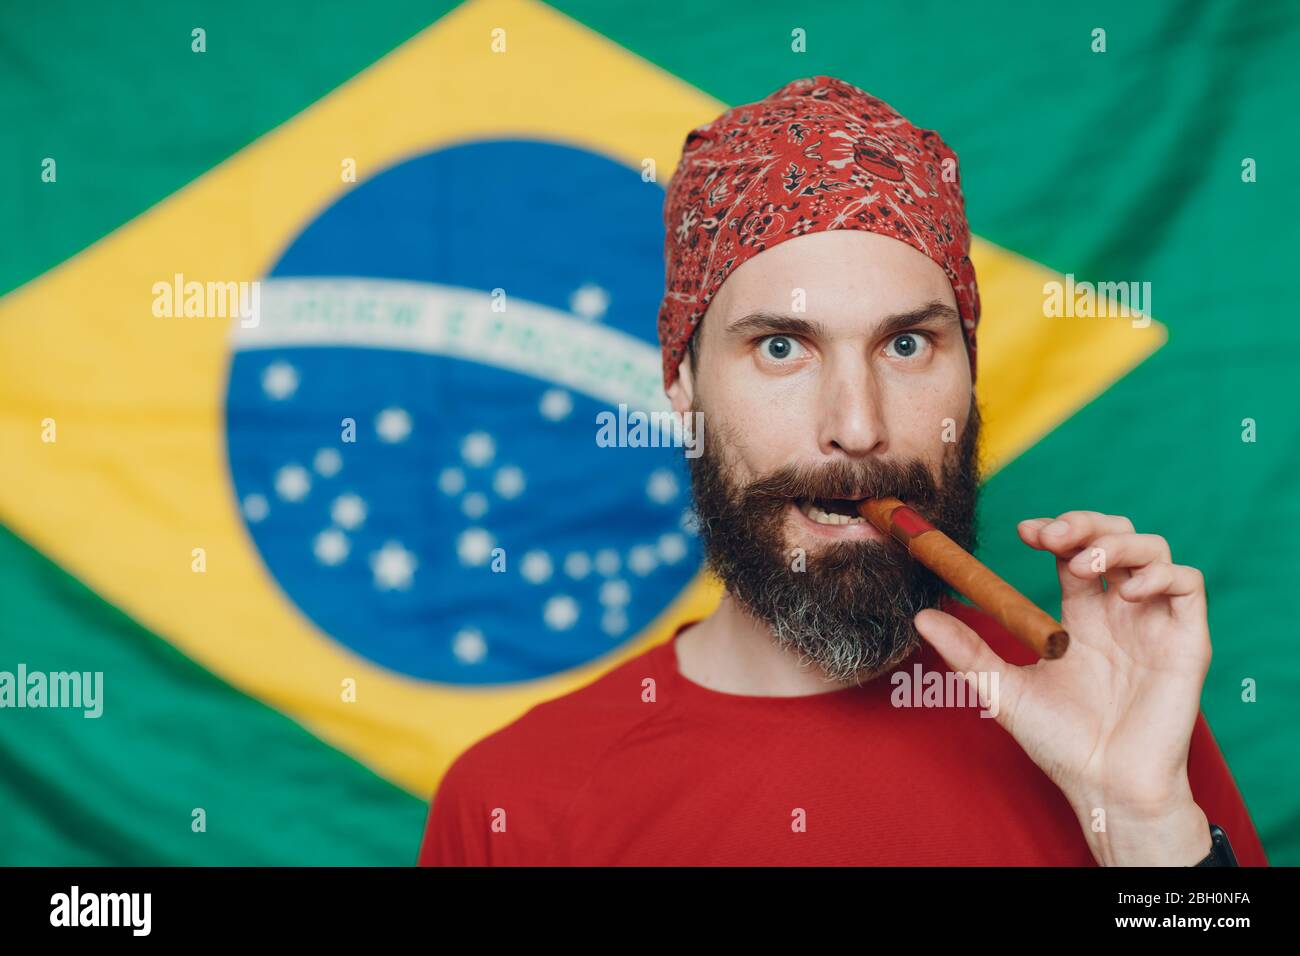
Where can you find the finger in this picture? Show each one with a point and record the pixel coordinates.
(1065, 537)
(1070, 530)
(1030, 527)
(965, 653)
(1072, 586)
(1163, 579)
(1110, 553)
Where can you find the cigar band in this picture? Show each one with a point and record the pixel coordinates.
(906, 524)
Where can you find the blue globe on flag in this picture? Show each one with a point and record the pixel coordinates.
(412, 421)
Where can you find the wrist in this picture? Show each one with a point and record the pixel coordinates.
(1174, 832)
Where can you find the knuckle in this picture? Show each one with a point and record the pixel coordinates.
(1160, 544)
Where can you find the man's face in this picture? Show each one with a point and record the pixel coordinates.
(831, 367)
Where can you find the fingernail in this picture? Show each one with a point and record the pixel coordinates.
(1056, 527)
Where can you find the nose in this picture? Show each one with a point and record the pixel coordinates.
(850, 421)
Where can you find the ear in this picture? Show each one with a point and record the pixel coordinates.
(682, 391)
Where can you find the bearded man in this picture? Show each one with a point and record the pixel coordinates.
(819, 315)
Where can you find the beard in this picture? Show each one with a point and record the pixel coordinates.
(846, 607)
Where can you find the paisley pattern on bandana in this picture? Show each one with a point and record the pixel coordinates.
(817, 154)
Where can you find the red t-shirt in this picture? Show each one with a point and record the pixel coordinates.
(601, 777)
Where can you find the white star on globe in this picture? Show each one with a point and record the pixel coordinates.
(331, 547)
(292, 483)
(279, 380)
(536, 567)
(642, 560)
(661, 486)
(672, 548)
(478, 449)
(614, 621)
(615, 593)
(256, 508)
(451, 481)
(607, 562)
(348, 511)
(393, 567)
(475, 505)
(469, 646)
(393, 425)
(556, 404)
(577, 565)
(327, 462)
(508, 482)
(560, 612)
(474, 546)
(589, 302)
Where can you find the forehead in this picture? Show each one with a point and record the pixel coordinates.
(841, 275)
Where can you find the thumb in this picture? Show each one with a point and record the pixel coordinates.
(965, 653)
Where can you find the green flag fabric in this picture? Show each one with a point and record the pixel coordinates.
(1128, 143)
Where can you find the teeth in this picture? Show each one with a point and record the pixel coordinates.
(826, 517)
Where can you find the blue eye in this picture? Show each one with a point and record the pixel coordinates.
(908, 344)
(778, 348)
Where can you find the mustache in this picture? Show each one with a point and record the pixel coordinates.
(845, 480)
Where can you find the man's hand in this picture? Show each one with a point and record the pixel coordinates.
(1110, 722)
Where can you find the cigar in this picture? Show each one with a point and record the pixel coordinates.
(1030, 625)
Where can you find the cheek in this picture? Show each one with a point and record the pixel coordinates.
(759, 433)
(923, 425)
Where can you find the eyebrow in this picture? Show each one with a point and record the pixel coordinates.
(933, 314)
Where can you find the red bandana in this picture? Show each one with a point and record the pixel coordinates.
(817, 154)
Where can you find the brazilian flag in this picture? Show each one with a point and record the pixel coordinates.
(308, 312)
